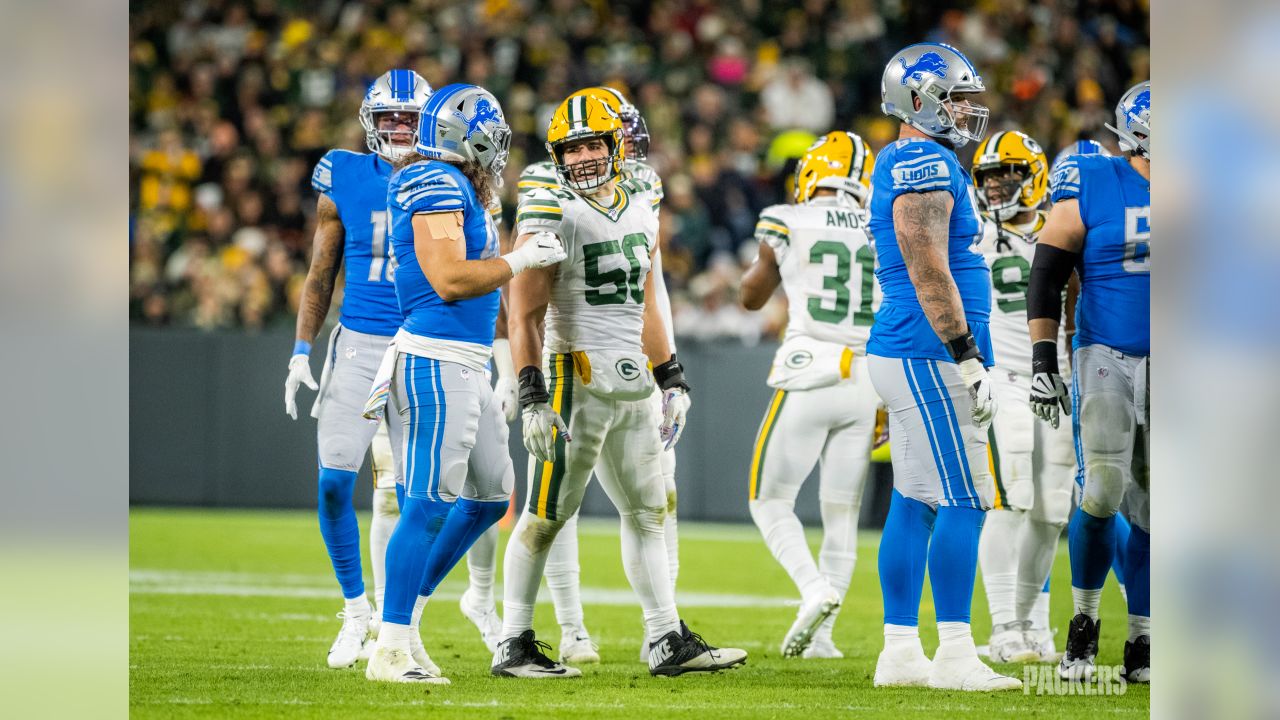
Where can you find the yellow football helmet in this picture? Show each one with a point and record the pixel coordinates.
(838, 160)
(582, 117)
(634, 128)
(1013, 165)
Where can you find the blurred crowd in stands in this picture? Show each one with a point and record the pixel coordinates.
(233, 102)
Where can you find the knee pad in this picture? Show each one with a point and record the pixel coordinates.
(385, 504)
(648, 520)
(537, 533)
(767, 514)
(671, 499)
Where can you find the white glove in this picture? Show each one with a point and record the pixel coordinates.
(507, 393)
(540, 250)
(675, 407)
(1048, 393)
(984, 403)
(540, 426)
(299, 373)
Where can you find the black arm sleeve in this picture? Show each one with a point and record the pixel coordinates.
(1050, 269)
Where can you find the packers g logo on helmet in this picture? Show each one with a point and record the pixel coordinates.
(583, 117)
(1015, 151)
(840, 161)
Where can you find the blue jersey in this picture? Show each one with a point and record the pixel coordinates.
(427, 187)
(1114, 308)
(357, 184)
(901, 329)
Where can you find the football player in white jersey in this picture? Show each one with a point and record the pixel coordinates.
(586, 402)
(1033, 463)
(563, 571)
(824, 407)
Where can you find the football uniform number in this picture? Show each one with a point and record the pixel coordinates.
(383, 255)
(626, 283)
(838, 282)
(1137, 239)
(1010, 275)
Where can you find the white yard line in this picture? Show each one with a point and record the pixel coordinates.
(144, 581)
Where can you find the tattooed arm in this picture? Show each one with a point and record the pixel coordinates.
(326, 260)
(921, 222)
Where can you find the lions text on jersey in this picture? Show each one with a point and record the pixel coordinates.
(1115, 262)
(902, 330)
(428, 187)
(357, 184)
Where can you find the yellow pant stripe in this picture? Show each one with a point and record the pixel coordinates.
(762, 440)
(846, 364)
(557, 404)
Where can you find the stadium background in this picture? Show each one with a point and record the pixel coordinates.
(232, 103)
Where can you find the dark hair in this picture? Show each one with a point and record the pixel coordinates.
(481, 179)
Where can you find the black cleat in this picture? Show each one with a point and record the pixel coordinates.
(1082, 647)
(525, 657)
(677, 653)
(1137, 660)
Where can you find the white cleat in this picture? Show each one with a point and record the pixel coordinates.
(808, 619)
(346, 648)
(1041, 643)
(1009, 645)
(366, 650)
(397, 666)
(958, 668)
(485, 618)
(419, 654)
(904, 665)
(576, 648)
(822, 648)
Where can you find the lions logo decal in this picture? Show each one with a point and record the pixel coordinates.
(485, 113)
(930, 62)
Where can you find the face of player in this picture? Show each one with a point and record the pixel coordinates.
(969, 116)
(586, 159)
(1002, 185)
(398, 127)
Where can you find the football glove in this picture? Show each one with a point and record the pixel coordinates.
(1048, 390)
(541, 250)
(540, 426)
(979, 383)
(675, 407)
(299, 374)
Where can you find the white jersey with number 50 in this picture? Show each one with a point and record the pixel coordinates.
(597, 301)
(827, 266)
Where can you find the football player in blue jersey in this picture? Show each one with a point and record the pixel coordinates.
(351, 232)
(1100, 226)
(927, 354)
(458, 473)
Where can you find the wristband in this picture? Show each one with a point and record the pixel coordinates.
(964, 348)
(1044, 357)
(533, 386)
(301, 347)
(670, 374)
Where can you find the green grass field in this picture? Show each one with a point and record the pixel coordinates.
(232, 612)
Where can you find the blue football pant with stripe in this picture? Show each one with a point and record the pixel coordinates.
(342, 437)
(939, 464)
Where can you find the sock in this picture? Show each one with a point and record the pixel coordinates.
(563, 576)
(1037, 546)
(954, 634)
(407, 553)
(998, 556)
(901, 635)
(953, 561)
(1092, 544)
(522, 568)
(385, 514)
(467, 520)
(839, 552)
(903, 555)
(340, 529)
(1039, 616)
(1120, 561)
(357, 606)
(400, 496)
(415, 618)
(395, 636)
(644, 558)
(1137, 565)
(482, 559)
(1139, 625)
(784, 536)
